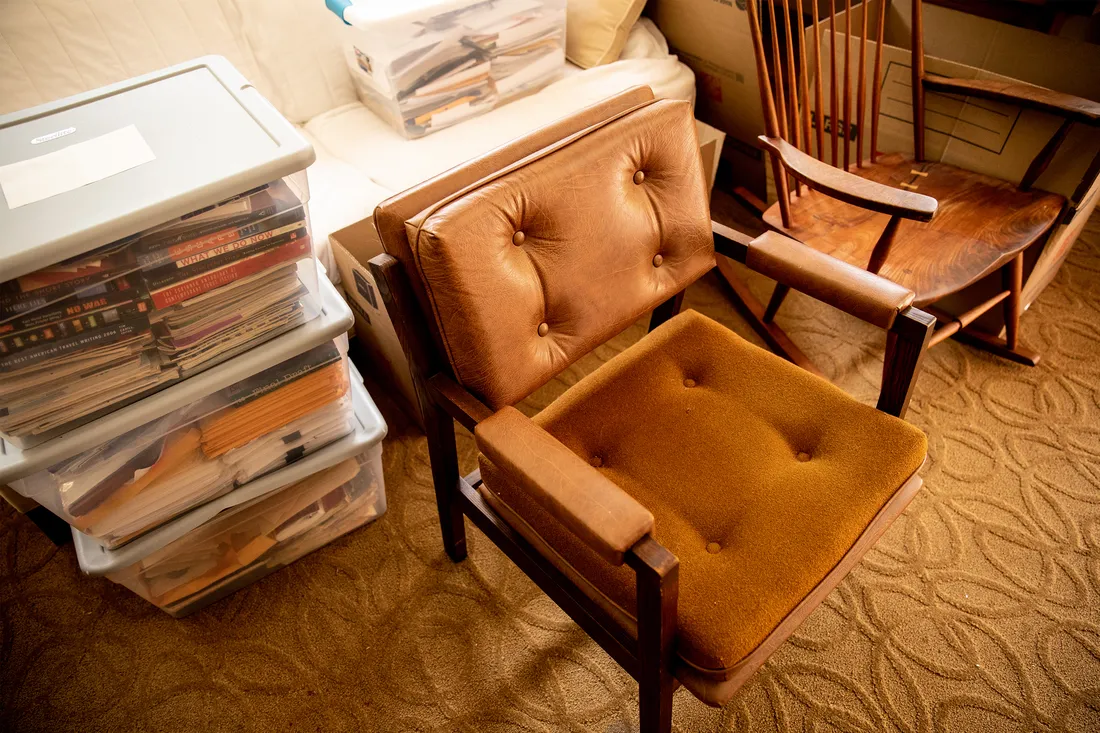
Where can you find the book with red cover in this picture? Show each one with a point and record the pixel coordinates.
(187, 268)
(266, 220)
(195, 286)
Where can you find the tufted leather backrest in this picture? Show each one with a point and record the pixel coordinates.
(538, 262)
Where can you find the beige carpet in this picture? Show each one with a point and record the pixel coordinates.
(978, 611)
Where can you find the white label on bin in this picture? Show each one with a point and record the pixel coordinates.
(70, 168)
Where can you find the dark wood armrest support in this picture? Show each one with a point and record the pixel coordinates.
(848, 187)
(1025, 95)
(866, 296)
(605, 517)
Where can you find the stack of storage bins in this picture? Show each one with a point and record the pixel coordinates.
(177, 379)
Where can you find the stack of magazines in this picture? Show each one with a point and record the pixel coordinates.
(90, 334)
(425, 66)
(129, 485)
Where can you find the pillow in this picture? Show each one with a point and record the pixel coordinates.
(299, 50)
(596, 30)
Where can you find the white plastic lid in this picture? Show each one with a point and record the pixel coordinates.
(211, 135)
(336, 318)
(370, 429)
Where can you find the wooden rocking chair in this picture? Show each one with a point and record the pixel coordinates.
(932, 227)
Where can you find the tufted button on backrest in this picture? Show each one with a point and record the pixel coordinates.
(512, 317)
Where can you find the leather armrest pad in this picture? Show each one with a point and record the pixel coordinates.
(605, 517)
(863, 294)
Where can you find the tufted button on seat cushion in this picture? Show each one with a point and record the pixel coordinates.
(761, 535)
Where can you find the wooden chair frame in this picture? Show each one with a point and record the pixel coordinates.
(649, 657)
(787, 118)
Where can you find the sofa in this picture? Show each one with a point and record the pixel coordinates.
(291, 50)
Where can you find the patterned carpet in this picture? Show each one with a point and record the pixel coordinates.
(978, 611)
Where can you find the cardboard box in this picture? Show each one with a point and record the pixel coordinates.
(710, 148)
(999, 140)
(712, 38)
(353, 247)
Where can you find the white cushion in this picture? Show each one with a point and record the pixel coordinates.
(298, 47)
(51, 49)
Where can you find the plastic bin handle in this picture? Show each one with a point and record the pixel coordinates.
(338, 7)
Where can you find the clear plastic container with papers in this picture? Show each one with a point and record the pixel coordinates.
(244, 545)
(134, 482)
(102, 329)
(231, 542)
(153, 229)
(424, 65)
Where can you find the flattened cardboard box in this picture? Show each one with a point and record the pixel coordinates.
(712, 38)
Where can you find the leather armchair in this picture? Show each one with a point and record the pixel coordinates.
(690, 502)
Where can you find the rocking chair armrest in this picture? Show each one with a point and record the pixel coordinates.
(848, 187)
(863, 294)
(592, 507)
(1066, 106)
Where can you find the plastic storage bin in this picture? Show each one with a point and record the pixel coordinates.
(152, 229)
(128, 485)
(209, 553)
(334, 321)
(423, 65)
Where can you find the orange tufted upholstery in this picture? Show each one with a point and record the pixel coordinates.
(766, 482)
(517, 290)
(390, 215)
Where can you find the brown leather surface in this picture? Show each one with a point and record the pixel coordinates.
(863, 294)
(598, 512)
(980, 225)
(513, 316)
(390, 215)
(782, 470)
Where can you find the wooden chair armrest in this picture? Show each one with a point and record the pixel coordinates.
(848, 187)
(860, 293)
(863, 294)
(1025, 95)
(601, 514)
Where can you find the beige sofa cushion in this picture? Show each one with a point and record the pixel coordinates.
(298, 48)
(596, 30)
(51, 49)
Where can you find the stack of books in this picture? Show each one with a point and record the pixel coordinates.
(429, 65)
(89, 334)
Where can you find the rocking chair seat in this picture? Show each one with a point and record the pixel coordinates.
(981, 224)
(766, 482)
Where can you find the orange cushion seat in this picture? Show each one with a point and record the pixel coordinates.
(766, 482)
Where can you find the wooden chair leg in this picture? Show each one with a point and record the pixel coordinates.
(658, 586)
(1012, 276)
(906, 343)
(443, 455)
(666, 310)
(778, 296)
